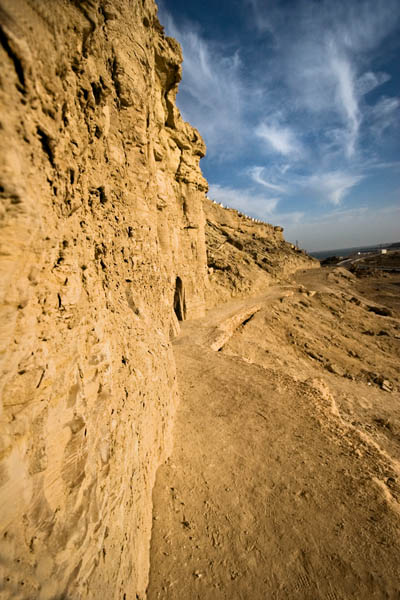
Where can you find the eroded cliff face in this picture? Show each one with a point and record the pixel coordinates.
(102, 251)
(245, 256)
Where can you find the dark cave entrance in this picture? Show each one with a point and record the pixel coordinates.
(179, 300)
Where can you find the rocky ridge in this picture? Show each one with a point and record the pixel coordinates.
(244, 254)
(103, 251)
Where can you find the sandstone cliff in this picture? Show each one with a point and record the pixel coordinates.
(103, 251)
(245, 255)
(102, 232)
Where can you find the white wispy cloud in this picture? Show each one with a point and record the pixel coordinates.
(321, 62)
(346, 98)
(321, 78)
(394, 164)
(256, 174)
(383, 115)
(245, 200)
(281, 139)
(369, 80)
(386, 106)
(331, 186)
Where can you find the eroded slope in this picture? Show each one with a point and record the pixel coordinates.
(244, 256)
(284, 481)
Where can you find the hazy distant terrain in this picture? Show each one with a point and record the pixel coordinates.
(347, 251)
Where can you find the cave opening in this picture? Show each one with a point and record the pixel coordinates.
(179, 300)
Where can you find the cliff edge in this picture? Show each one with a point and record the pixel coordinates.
(102, 235)
(245, 255)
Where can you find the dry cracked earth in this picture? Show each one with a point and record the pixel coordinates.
(284, 481)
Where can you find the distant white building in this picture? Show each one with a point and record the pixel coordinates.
(383, 251)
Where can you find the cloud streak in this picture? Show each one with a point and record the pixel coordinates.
(368, 81)
(347, 100)
(256, 174)
(280, 139)
(332, 186)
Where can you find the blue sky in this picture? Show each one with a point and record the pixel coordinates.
(299, 105)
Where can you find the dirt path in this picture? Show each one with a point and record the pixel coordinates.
(268, 492)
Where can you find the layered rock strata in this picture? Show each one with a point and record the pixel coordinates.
(245, 255)
(102, 252)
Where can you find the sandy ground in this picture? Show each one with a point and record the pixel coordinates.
(284, 478)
